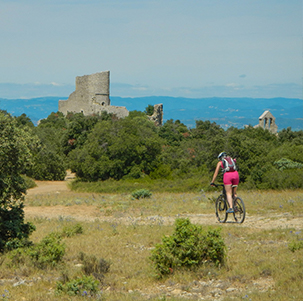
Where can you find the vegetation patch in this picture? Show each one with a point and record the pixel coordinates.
(85, 286)
(141, 194)
(189, 246)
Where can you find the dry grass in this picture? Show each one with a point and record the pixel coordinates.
(259, 265)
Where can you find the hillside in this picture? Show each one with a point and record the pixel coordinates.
(226, 112)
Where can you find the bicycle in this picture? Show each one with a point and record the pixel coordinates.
(222, 206)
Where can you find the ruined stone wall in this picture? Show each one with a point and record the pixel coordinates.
(157, 116)
(91, 97)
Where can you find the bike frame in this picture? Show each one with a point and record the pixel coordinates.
(237, 202)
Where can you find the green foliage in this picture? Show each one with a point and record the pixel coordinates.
(48, 252)
(24, 121)
(104, 147)
(69, 231)
(173, 132)
(141, 194)
(163, 171)
(47, 166)
(287, 164)
(114, 148)
(16, 147)
(189, 246)
(295, 245)
(29, 182)
(85, 286)
(77, 130)
(149, 110)
(54, 120)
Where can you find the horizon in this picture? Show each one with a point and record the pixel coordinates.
(192, 49)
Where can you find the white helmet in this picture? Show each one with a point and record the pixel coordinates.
(221, 155)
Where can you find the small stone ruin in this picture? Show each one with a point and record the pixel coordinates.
(268, 121)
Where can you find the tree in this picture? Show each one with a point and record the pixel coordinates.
(115, 149)
(16, 147)
(23, 120)
(173, 132)
(149, 110)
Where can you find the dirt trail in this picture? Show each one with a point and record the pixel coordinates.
(91, 213)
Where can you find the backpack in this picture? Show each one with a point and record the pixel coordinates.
(229, 164)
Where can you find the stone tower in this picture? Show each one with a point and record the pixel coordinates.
(91, 97)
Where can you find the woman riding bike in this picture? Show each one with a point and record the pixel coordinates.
(230, 177)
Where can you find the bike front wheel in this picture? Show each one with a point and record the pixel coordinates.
(239, 210)
(221, 208)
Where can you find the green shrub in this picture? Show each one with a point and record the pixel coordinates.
(189, 246)
(48, 166)
(287, 164)
(48, 252)
(141, 194)
(29, 182)
(85, 286)
(13, 230)
(70, 231)
(17, 257)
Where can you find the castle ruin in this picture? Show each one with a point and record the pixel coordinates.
(268, 121)
(92, 97)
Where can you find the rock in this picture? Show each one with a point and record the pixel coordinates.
(230, 289)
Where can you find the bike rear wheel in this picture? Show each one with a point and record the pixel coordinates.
(221, 208)
(239, 208)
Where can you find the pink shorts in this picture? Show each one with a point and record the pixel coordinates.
(231, 178)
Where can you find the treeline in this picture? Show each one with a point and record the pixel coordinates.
(99, 148)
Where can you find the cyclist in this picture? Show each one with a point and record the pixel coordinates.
(230, 177)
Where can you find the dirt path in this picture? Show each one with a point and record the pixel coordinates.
(91, 213)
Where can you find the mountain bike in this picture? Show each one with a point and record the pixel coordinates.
(222, 206)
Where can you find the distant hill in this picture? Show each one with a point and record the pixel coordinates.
(226, 112)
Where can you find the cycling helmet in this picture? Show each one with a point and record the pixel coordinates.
(221, 155)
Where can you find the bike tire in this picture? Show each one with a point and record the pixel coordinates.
(221, 208)
(239, 208)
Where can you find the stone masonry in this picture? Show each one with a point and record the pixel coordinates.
(157, 116)
(268, 121)
(91, 97)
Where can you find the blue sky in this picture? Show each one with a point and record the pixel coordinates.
(186, 48)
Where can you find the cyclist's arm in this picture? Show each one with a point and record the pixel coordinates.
(216, 172)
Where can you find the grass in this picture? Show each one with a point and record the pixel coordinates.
(260, 264)
(192, 184)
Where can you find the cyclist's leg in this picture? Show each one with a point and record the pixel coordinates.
(235, 183)
(228, 190)
(234, 187)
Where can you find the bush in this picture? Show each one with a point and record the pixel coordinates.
(93, 266)
(189, 246)
(48, 252)
(85, 286)
(13, 230)
(48, 166)
(29, 182)
(141, 194)
(295, 245)
(72, 230)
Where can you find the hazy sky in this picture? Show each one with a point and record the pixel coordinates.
(189, 48)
